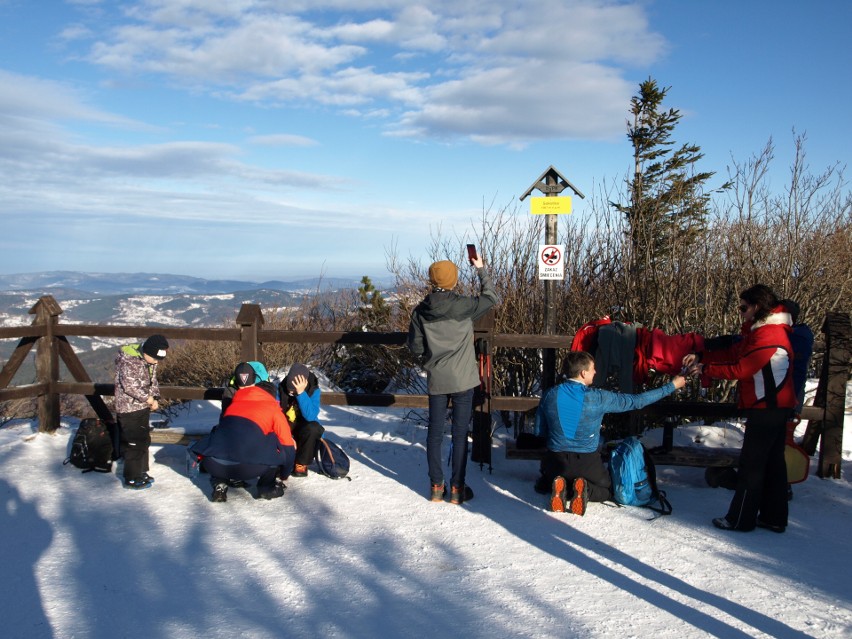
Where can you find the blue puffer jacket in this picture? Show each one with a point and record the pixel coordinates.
(570, 414)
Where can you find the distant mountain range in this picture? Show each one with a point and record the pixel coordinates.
(148, 298)
(73, 283)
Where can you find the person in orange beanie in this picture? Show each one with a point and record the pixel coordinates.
(441, 334)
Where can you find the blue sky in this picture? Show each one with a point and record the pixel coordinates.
(260, 139)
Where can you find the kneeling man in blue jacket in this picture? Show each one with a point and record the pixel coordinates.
(569, 417)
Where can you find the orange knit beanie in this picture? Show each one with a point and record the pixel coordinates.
(444, 274)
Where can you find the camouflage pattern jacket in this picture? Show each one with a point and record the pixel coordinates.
(135, 380)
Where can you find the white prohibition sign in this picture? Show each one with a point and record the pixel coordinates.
(551, 255)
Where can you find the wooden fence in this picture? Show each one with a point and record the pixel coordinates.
(50, 338)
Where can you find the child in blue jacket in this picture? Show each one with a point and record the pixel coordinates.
(300, 401)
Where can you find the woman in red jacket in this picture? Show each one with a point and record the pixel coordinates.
(761, 362)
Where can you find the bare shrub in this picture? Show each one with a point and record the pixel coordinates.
(199, 363)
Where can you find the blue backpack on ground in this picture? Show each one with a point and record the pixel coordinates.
(331, 460)
(634, 478)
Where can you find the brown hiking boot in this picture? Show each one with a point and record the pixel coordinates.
(300, 470)
(557, 495)
(460, 494)
(580, 497)
(438, 493)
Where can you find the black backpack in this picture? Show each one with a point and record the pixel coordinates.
(91, 448)
(331, 460)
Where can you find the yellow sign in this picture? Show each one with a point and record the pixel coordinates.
(548, 205)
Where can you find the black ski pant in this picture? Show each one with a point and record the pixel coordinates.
(589, 466)
(135, 437)
(306, 435)
(762, 475)
(221, 472)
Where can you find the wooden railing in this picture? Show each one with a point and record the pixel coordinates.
(50, 338)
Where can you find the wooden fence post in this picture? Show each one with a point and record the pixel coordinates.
(47, 311)
(250, 321)
(838, 354)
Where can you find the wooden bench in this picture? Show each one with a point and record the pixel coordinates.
(171, 436)
(677, 456)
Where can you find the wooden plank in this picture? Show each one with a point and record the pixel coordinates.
(332, 337)
(202, 334)
(170, 436)
(698, 457)
(22, 392)
(677, 456)
(8, 332)
(375, 399)
(16, 359)
(509, 340)
(520, 404)
(516, 404)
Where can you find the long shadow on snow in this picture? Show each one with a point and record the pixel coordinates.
(24, 536)
(580, 550)
(147, 564)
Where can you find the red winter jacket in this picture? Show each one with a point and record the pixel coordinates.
(761, 362)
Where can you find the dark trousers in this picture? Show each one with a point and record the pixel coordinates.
(762, 473)
(306, 436)
(135, 438)
(221, 473)
(462, 404)
(572, 465)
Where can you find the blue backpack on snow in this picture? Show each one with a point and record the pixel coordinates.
(634, 478)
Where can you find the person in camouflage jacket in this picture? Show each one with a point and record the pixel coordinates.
(137, 393)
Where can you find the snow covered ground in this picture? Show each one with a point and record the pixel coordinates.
(84, 558)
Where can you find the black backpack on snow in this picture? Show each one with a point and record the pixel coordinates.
(331, 460)
(91, 448)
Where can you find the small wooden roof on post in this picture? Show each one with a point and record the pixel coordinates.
(551, 182)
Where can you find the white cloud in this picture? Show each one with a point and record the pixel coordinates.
(282, 139)
(239, 53)
(499, 105)
(46, 171)
(504, 71)
(30, 98)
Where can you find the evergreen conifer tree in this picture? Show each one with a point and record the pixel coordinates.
(668, 206)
